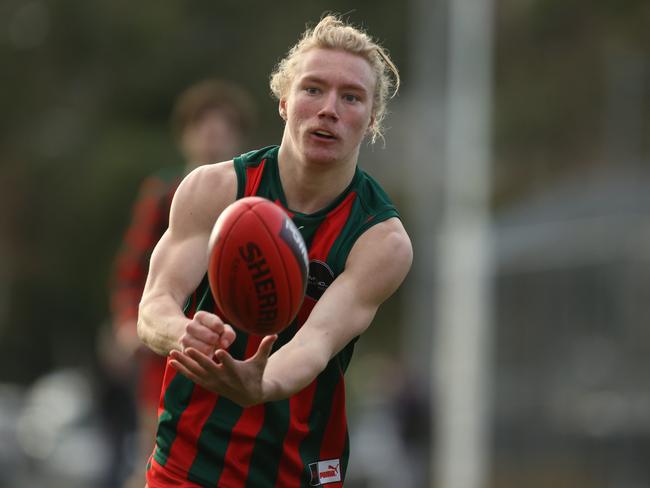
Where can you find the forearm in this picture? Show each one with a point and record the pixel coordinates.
(339, 316)
(161, 323)
(292, 368)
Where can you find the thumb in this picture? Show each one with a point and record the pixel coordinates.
(264, 349)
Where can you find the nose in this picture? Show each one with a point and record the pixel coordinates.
(329, 107)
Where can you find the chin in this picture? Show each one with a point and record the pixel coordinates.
(321, 158)
(320, 155)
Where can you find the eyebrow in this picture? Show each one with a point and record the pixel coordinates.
(346, 86)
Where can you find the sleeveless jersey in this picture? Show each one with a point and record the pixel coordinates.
(298, 442)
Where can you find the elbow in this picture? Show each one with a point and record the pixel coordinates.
(142, 328)
(156, 327)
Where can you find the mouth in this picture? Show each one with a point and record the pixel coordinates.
(324, 135)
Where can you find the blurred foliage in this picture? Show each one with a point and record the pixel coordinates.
(87, 89)
(554, 63)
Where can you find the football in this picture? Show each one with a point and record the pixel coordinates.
(258, 266)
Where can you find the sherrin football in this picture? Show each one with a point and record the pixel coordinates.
(257, 266)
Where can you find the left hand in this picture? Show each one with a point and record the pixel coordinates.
(239, 381)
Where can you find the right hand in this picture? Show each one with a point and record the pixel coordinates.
(207, 333)
(240, 381)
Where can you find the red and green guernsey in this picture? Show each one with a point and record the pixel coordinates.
(302, 441)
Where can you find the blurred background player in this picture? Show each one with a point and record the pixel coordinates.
(211, 121)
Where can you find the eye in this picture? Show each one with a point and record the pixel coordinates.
(349, 97)
(312, 90)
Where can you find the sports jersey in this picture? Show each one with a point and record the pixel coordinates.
(149, 221)
(301, 441)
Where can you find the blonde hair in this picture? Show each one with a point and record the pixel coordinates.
(333, 33)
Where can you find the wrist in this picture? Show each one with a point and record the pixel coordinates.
(269, 391)
(161, 334)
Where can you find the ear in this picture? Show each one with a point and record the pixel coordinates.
(282, 108)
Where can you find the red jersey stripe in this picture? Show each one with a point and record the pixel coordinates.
(291, 467)
(242, 438)
(160, 477)
(169, 372)
(240, 447)
(167, 379)
(334, 443)
(330, 229)
(254, 178)
(189, 428)
(279, 204)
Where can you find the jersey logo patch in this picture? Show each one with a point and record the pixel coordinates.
(325, 472)
(320, 277)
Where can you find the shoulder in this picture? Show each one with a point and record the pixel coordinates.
(371, 192)
(209, 176)
(374, 203)
(386, 240)
(203, 194)
(256, 156)
(381, 257)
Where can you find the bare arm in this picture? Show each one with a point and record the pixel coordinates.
(375, 268)
(180, 260)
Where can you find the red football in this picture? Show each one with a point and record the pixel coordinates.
(258, 266)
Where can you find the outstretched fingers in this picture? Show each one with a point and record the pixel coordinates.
(265, 348)
(189, 366)
(240, 381)
(223, 357)
(178, 366)
(202, 360)
(261, 355)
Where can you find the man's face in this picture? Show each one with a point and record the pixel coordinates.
(213, 137)
(329, 105)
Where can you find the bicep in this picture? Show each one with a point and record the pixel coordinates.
(177, 266)
(180, 258)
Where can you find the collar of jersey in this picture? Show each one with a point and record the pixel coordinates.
(319, 214)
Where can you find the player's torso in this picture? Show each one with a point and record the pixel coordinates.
(300, 441)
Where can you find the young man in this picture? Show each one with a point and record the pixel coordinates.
(239, 410)
(211, 120)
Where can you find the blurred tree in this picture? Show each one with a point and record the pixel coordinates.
(551, 86)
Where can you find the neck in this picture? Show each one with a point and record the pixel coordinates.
(308, 186)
